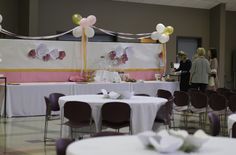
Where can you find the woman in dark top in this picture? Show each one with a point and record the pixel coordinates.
(184, 67)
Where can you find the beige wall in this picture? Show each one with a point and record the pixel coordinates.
(230, 46)
(9, 10)
(217, 38)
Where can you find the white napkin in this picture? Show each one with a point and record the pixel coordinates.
(166, 144)
(162, 142)
(114, 95)
(105, 93)
(173, 140)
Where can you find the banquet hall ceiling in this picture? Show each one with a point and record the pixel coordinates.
(203, 4)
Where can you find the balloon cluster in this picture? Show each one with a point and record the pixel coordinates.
(0, 22)
(84, 23)
(162, 33)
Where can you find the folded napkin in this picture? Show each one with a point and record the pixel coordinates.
(173, 140)
(117, 95)
(162, 142)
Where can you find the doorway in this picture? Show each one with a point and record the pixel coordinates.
(188, 44)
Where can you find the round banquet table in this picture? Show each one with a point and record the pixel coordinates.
(131, 145)
(143, 109)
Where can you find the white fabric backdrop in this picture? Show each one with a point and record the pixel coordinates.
(14, 54)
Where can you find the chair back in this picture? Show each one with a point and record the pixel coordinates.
(198, 99)
(107, 133)
(222, 90)
(214, 124)
(48, 107)
(77, 112)
(234, 130)
(209, 92)
(232, 103)
(164, 94)
(53, 98)
(217, 102)
(181, 98)
(61, 145)
(141, 95)
(227, 95)
(116, 112)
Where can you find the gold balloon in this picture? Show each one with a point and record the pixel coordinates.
(76, 18)
(169, 30)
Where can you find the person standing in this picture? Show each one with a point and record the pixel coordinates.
(200, 71)
(184, 67)
(213, 78)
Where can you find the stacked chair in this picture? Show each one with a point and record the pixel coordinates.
(198, 106)
(218, 105)
(181, 105)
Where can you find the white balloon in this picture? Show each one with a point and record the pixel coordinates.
(77, 32)
(92, 20)
(164, 38)
(89, 32)
(0, 18)
(155, 35)
(160, 28)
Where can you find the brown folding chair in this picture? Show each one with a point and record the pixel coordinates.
(116, 115)
(52, 105)
(232, 103)
(181, 105)
(214, 124)
(218, 104)
(79, 115)
(199, 106)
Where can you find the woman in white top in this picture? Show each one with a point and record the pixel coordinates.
(200, 71)
(213, 78)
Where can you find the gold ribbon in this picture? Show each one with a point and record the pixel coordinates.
(84, 50)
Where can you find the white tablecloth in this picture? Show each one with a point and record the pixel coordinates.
(231, 121)
(27, 99)
(131, 145)
(143, 109)
(94, 88)
(151, 87)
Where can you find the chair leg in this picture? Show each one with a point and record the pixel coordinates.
(45, 130)
(71, 132)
